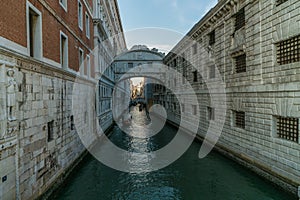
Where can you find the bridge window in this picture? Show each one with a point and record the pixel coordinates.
(288, 51)
(195, 76)
(287, 128)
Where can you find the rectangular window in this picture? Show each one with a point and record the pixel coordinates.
(81, 61)
(288, 128)
(239, 119)
(212, 72)
(278, 2)
(240, 63)
(210, 113)
(64, 4)
(34, 32)
(240, 19)
(184, 74)
(194, 109)
(72, 122)
(87, 25)
(88, 65)
(194, 49)
(130, 65)
(50, 126)
(288, 51)
(80, 15)
(195, 76)
(64, 51)
(212, 38)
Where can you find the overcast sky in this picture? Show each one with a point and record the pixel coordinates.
(169, 20)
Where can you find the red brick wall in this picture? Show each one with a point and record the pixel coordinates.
(13, 27)
(13, 21)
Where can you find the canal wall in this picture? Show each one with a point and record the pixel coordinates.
(43, 117)
(244, 43)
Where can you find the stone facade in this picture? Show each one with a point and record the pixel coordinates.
(138, 55)
(243, 43)
(48, 84)
(110, 42)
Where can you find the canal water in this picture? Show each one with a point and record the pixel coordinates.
(189, 178)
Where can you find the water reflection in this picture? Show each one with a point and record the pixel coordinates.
(189, 178)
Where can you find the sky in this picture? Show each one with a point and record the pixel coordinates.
(160, 23)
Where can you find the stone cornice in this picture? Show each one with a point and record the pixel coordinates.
(214, 16)
(31, 64)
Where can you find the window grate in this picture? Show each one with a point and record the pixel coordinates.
(240, 119)
(278, 2)
(240, 63)
(240, 19)
(212, 38)
(287, 128)
(288, 51)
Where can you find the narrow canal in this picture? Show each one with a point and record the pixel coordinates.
(189, 178)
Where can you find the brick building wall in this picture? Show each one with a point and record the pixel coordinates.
(52, 112)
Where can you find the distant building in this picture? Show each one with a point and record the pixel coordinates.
(138, 55)
(109, 39)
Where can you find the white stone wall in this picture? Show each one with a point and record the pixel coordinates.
(28, 160)
(265, 91)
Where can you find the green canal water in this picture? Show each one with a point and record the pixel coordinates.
(189, 178)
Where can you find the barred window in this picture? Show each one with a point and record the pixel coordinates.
(240, 63)
(210, 113)
(288, 128)
(288, 51)
(240, 19)
(212, 37)
(278, 2)
(239, 119)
